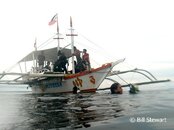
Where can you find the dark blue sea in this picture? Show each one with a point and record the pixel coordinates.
(151, 109)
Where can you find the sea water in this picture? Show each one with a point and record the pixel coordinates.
(150, 109)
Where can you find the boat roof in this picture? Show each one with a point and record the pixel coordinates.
(50, 54)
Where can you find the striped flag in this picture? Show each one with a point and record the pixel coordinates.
(53, 20)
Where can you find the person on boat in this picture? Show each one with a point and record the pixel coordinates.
(48, 66)
(57, 67)
(77, 69)
(59, 54)
(116, 88)
(79, 59)
(77, 54)
(85, 59)
(41, 59)
(60, 64)
(63, 62)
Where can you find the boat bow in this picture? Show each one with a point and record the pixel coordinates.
(117, 62)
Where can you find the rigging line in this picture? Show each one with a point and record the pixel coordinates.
(66, 40)
(90, 41)
(123, 79)
(47, 43)
(103, 49)
(97, 63)
(47, 40)
(90, 48)
(129, 65)
(95, 44)
(87, 46)
(94, 61)
(10, 68)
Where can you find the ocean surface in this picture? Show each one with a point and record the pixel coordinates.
(151, 109)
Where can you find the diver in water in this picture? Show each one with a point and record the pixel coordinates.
(116, 88)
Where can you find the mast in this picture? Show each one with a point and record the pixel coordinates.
(58, 36)
(72, 43)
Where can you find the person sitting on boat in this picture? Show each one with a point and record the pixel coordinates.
(41, 59)
(116, 88)
(79, 59)
(85, 59)
(60, 64)
(48, 66)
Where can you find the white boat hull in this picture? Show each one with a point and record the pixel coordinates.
(86, 81)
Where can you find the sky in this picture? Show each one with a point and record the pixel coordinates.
(139, 30)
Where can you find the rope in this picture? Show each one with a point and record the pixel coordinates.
(101, 48)
(46, 44)
(122, 79)
(46, 41)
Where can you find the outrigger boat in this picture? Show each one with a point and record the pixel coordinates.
(44, 81)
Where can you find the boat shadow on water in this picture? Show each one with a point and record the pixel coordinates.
(70, 111)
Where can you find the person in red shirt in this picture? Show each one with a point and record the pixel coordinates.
(85, 59)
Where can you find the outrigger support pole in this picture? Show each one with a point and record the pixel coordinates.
(141, 83)
(152, 78)
(146, 72)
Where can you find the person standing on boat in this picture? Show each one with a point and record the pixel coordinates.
(79, 59)
(41, 59)
(77, 54)
(85, 59)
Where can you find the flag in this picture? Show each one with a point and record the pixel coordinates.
(53, 20)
